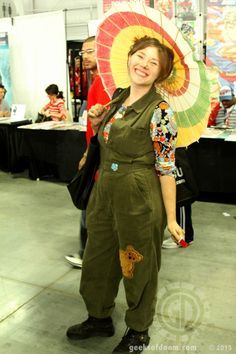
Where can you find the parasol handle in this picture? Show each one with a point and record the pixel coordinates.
(108, 103)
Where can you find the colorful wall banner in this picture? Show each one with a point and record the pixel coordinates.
(5, 77)
(165, 6)
(221, 39)
(107, 4)
(187, 20)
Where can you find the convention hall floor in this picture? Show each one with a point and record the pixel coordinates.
(39, 295)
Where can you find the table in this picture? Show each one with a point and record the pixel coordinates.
(10, 142)
(214, 164)
(56, 152)
(53, 153)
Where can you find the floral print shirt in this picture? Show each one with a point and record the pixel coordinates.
(163, 132)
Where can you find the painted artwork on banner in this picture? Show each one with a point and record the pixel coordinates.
(189, 20)
(221, 40)
(107, 4)
(5, 77)
(165, 6)
(186, 10)
(186, 17)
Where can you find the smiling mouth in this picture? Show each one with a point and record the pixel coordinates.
(140, 73)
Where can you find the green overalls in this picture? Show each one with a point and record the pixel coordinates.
(125, 218)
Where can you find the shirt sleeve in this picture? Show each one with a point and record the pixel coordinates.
(5, 106)
(163, 131)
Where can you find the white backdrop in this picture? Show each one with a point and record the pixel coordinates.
(37, 58)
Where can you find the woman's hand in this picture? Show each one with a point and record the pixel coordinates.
(96, 115)
(82, 162)
(47, 113)
(5, 114)
(177, 233)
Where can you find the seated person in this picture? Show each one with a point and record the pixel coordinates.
(56, 106)
(226, 117)
(4, 107)
(215, 107)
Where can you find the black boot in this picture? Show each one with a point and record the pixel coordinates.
(92, 327)
(133, 342)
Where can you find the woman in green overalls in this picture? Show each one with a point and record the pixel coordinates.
(132, 200)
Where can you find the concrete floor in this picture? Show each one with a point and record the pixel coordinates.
(39, 295)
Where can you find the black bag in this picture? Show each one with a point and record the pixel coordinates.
(186, 186)
(42, 118)
(81, 185)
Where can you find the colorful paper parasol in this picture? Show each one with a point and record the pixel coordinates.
(186, 90)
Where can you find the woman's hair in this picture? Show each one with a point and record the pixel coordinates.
(166, 54)
(53, 90)
(3, 87)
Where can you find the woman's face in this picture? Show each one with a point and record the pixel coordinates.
(52, 97)
(144, 66)
(2, 93)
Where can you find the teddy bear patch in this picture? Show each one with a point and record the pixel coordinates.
(128, 258)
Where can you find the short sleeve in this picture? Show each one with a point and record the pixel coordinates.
(6, 106)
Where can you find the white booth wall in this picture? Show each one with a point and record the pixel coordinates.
(79, 12)
(37, 47)
(38, 37)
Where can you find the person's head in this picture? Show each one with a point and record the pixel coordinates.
(226, 96)
(53, 91)
(88, 54)
(2, 92)
(149, 61)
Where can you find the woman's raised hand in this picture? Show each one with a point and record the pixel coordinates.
(96, 115)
